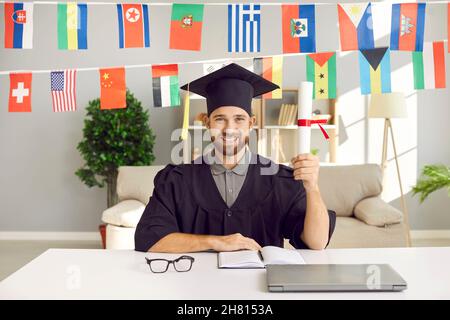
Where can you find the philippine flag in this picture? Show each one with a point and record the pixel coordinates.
(19, 25)
(356, 26)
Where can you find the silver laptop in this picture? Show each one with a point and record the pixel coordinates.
(333, 277)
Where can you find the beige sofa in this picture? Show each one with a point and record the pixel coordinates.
(363, 219)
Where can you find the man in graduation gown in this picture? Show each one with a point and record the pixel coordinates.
(234, 199)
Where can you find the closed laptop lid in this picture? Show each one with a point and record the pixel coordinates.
(334, 277)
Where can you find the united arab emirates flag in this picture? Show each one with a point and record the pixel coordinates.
(186, 26)
(429, 66)
(165, 85)
(321, 71)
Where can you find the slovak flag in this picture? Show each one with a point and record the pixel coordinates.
(407, 26)
(19, 25)
(355, 26)
(19, 92)
(134, 27)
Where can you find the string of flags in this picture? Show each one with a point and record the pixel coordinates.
(357, 23)
(356, 26)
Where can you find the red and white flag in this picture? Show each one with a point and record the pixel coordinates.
(19, 92)
(63, 90)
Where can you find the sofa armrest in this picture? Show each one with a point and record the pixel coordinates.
(375, 212)
(126, 213)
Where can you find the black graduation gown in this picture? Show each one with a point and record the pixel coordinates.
(186, 199)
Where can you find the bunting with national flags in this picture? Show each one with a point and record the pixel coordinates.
(355, 26)
(19, 92)
(321, 71)
(166, 91)
(375, 70)
(134, 25)
(298, 28)
(72, 26)
(186, 26)
(18, 25)
(113, 88)
(270, 68)
(244, 28)
(407, 26)
(429, 66)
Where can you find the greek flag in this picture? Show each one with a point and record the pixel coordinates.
(244, 28)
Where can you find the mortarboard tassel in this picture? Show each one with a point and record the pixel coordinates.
(184, 131)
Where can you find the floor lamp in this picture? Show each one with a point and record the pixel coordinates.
(388, 106)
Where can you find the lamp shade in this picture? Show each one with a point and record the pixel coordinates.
(388, 105)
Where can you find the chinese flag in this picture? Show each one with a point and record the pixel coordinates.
(19, 92)
(113, 90)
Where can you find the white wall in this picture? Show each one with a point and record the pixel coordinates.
(39, 191)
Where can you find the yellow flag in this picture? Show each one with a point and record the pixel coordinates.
(184, 131)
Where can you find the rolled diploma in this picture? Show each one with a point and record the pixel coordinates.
(305, 93)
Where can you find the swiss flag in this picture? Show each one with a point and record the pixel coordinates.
(19, 92)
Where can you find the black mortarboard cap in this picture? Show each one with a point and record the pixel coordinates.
(231, 85)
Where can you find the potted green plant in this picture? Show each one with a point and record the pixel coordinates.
(433, 177)
(113, 138)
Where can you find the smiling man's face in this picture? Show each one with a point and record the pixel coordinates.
(229, 128)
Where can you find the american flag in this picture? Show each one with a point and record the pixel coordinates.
(63, 90)
(244, 28)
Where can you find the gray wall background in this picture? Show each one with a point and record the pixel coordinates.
(38, 156)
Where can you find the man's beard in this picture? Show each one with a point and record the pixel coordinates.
(229, 150)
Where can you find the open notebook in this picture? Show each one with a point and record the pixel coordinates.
(259, 259)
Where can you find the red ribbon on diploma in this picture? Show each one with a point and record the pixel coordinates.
(309, 122)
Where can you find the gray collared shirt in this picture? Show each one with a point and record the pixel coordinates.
(229, 182)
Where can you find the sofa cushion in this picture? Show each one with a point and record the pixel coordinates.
(376, 212)
(126, 213)
(136, 182)
(353, 233)
(343, 186)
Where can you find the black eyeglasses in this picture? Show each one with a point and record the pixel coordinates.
(181, 264)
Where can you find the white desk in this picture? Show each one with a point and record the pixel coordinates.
(98, 274)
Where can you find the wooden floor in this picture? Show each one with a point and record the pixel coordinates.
(15, 254)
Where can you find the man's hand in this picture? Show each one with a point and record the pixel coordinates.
(306, 168)
(233, 242)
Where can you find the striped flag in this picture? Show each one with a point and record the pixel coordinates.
(18, 25)
(270, 68)
(186, 26)
(299, 28)
(134, 27)
(375, 70)
(356, 26)
(407, 26)
(72, 26)
(244, 28)
(321, 71)
(62, 86)
(429, 66)
(165, 85)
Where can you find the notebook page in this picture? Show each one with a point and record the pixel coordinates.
(276, 255)
(240, 259)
